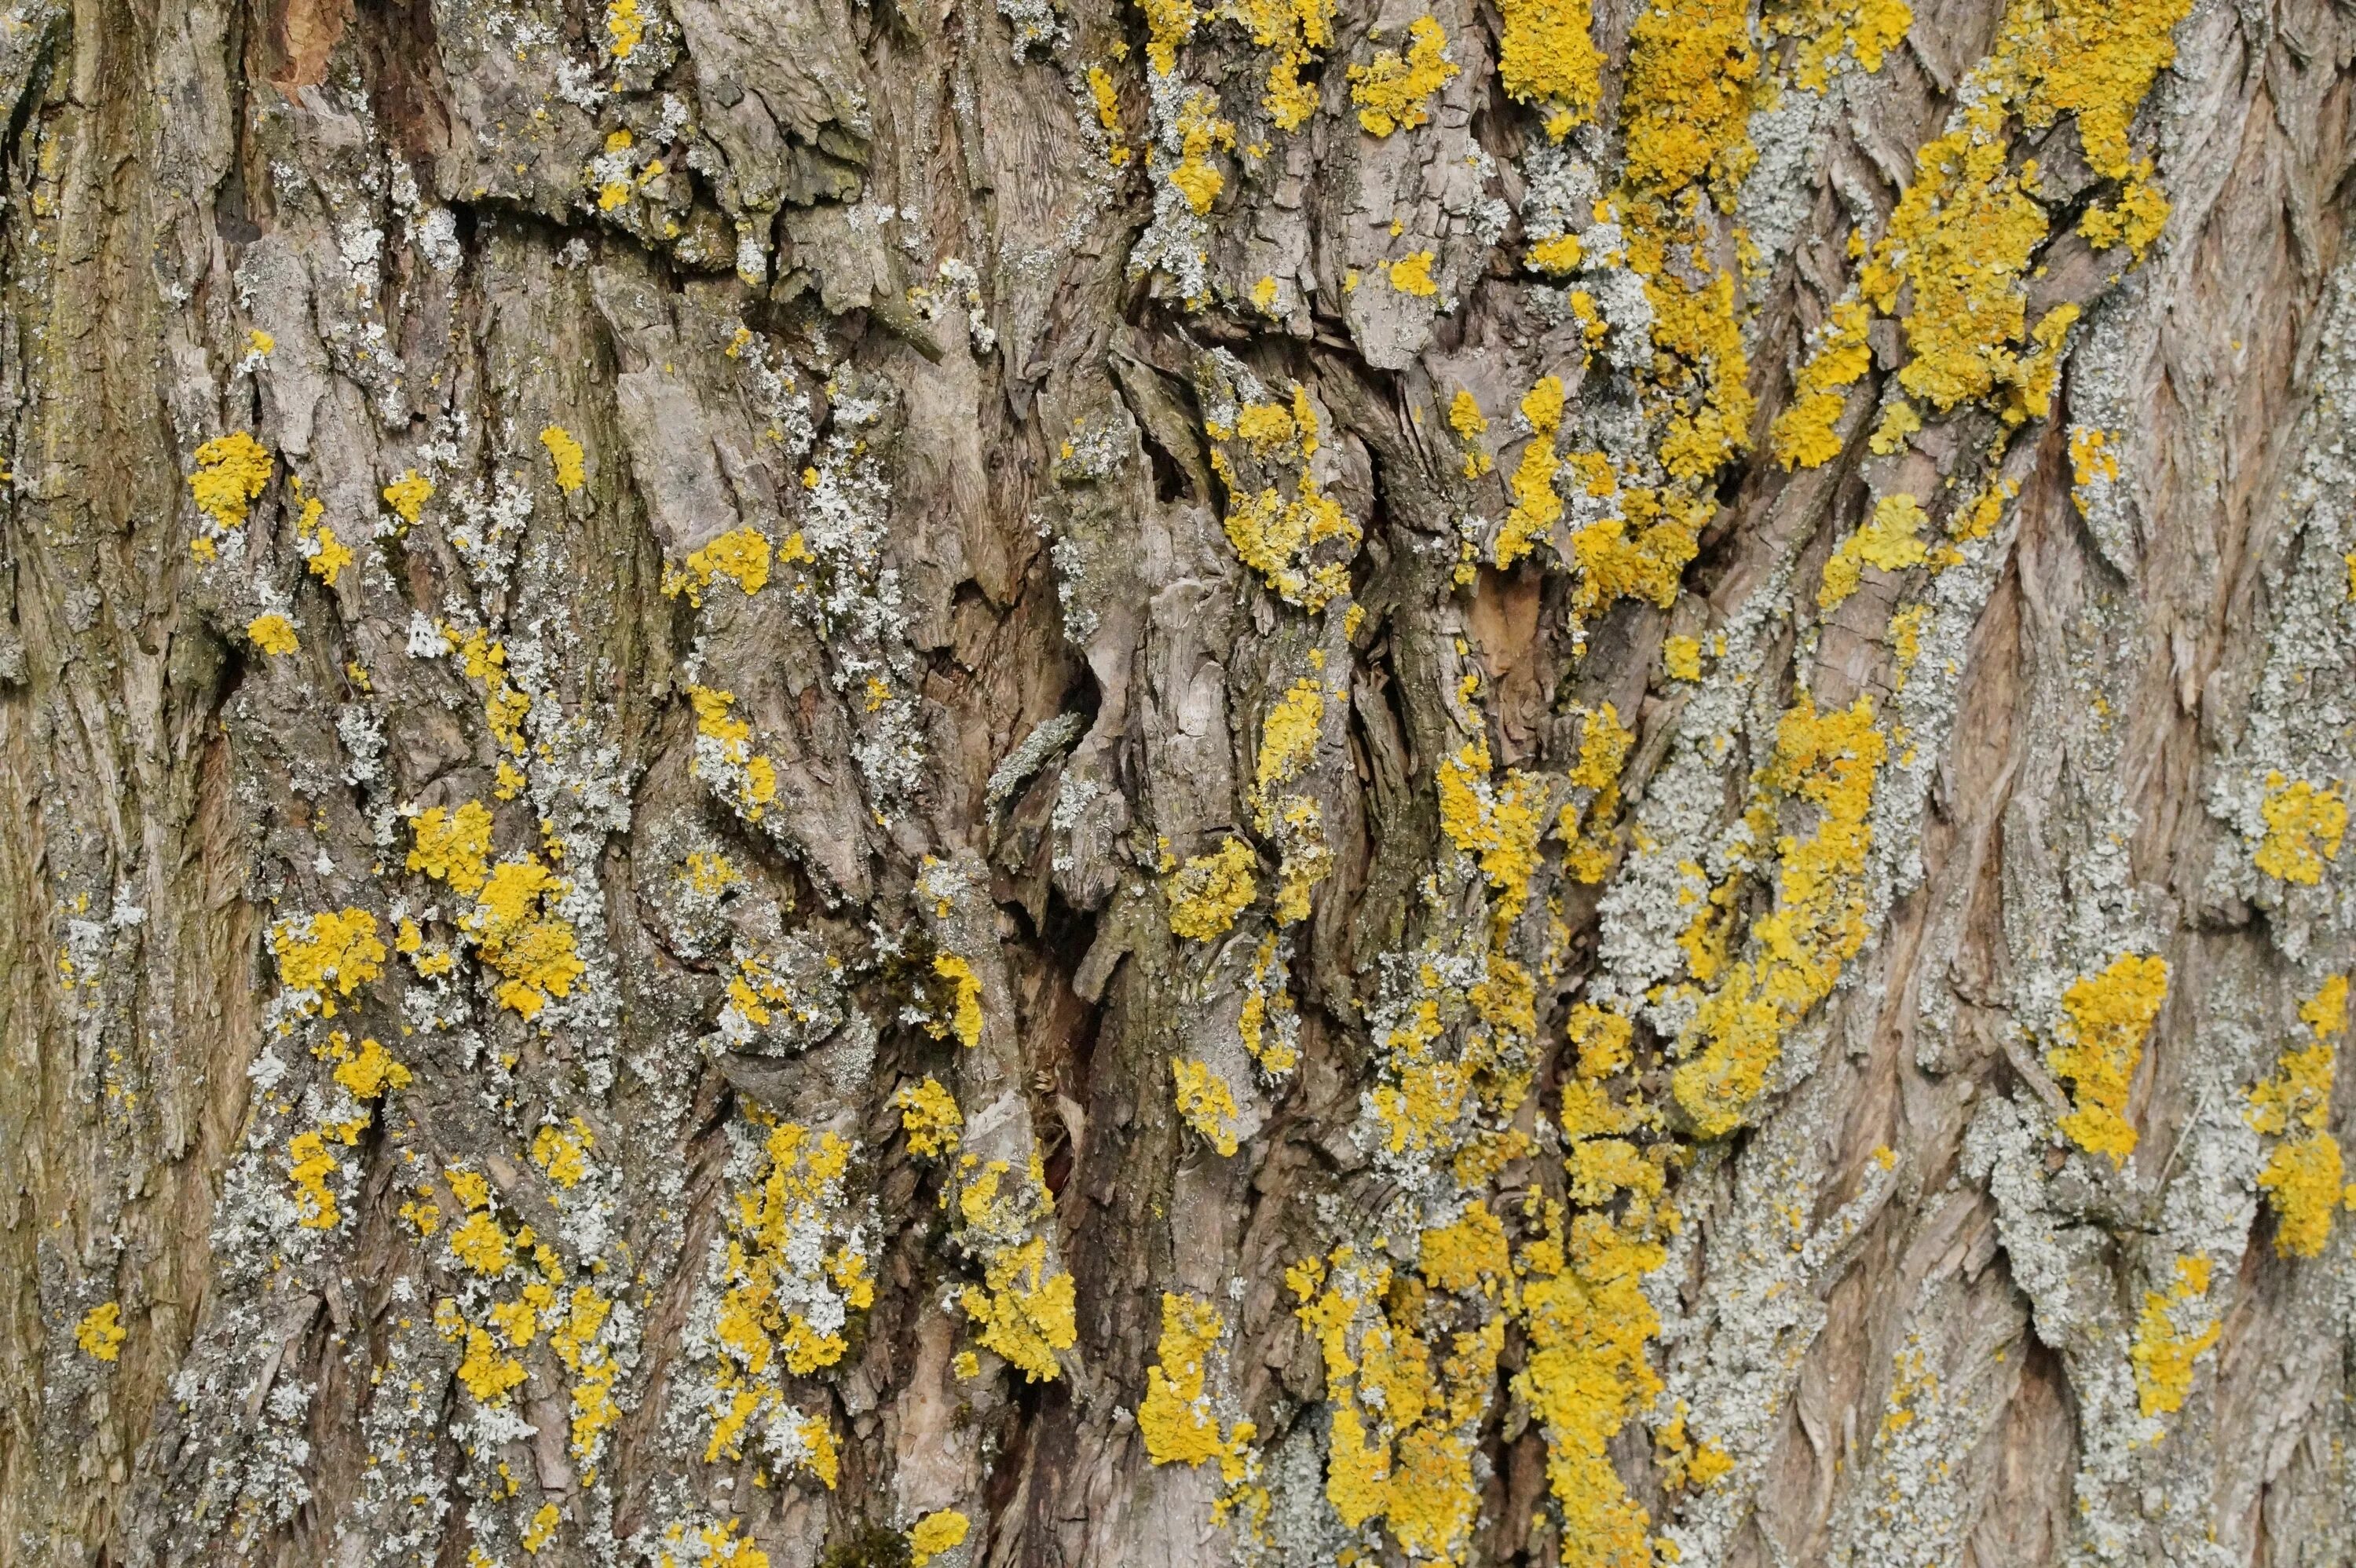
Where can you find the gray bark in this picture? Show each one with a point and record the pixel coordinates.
(608, 608)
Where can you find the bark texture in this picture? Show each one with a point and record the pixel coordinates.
(796, 782)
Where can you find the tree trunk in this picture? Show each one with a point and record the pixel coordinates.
(801, 782)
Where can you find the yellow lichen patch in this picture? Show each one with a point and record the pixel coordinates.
(541, 1530)
(1295, 30)
(1823, 29)
(100, 1333)
(1827, 761)
(1168, 23)
(1687, 1464)
(746, 779)
(1269, 1026)
(1022, 1311)
(1899, 421)
(407, 495)
(934, 1534)
(1603, 746)
(2094, 60)
(233, 471)
(1467, 1254)
(1558, 256)
(1681, 657)
(576, 1341)
(2105, 1019)
(718, 1545)
(1464, 419)
(929, 1115)
(795, 1269)
(1287, 740)
(965, 1004)
(1892, 540)
(1546, 57)
(2305, 827)
(1499, 822)
(324, 554)
(564, 453)
(1177, 1419)
(2137, 220)
(519, 935)
(1391, 92)
(1408, 1375)
(2172, 1331)
(1537, 509)
(1200, 132)
(453, 847)
(310, 1166)
(1205, 1103)
(624, 29)
(1805, 434)
(1106, 99)
(562, 1152)
(367, 1072)
(1411, 274)
(1208, 893)
(273, 633)
(1686, 108)
(1588, 1375)
(741, 555)
(333, 951)
(2304, 1171)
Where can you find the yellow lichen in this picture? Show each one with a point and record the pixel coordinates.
(1827, 761)
(1804, 434)
(564, 1152)
(1823, 29)
(1546, 57)
(519, 935)
(2302, 1179)
(1464, 419)
(273, 633)
(1537, 509)
(1411, 274)
(2105, 1019)
(1587, 1375)
(564, 453)
(1892, 540)
(1208, 893)
(624, 29)
(324, 554)
(453, 847)
(334, 950)
(1681, 656)
(2305, 827)
(1287, 740)
(1022, 1311)
(1175, 1419)
(1205, 1103)
(1200, 132)
(101, 1332)
(934, 1534)
(1391, 92)
(233, 471)
(741, 555)
(965, 1007)
(407, 495)
(1107, 106)
(928, 1114)
(2171, 1335)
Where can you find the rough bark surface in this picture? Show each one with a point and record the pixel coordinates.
(800, 781)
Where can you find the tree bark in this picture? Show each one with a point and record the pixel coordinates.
(800, 782)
